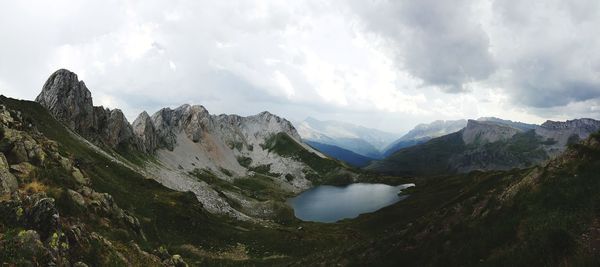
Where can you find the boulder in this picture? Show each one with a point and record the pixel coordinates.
(8, 182)
(79, 178)
(44, 217)
(22, 170)
(30, 246)
(76, 198)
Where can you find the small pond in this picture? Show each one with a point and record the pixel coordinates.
(329, 204)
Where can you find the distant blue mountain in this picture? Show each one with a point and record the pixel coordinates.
(360, 140)
(341, 154)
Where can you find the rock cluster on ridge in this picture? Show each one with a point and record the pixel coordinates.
(70, 101)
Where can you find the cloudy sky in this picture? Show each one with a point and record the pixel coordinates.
(383, 64)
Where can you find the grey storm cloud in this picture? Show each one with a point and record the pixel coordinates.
(549, 49)
(441, 42)
(543, 53)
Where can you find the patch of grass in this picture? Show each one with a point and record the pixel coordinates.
(244, 161)
(133, 155)
(430, 158)
(264, 169)
(261, 187)
(210, 178)
(34, 187)
(225, 171)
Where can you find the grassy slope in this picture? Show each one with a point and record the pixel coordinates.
(323, 170)
(443, 155)
(430, 158)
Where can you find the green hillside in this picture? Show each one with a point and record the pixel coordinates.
(450, 155)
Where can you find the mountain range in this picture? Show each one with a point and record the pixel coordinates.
(487, 144)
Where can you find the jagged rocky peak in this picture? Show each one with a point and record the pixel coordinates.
(486, 132)
(584, 123)
(568, 131)
(144, 130)
(68, 100)
(274, 124)
(186, 118)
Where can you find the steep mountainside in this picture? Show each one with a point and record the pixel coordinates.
(187, 147)
(424, 132)
(564, 133)
(360, 140)
(481, 132)
(487, 145)
(339, 153)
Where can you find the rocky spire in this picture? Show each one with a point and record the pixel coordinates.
(144, 130)
(70, 102)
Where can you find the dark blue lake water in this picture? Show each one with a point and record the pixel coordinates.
(329, 204)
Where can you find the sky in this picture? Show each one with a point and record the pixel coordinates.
(382, 64)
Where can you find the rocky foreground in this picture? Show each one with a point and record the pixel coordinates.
(38, 180)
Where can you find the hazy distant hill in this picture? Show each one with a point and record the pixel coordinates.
(339, 153)
(424, 132)
(360, 140)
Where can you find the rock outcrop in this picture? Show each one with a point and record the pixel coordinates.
(8, 182)
(486, 132)
(144, 130)
(562, 133)
(70, 102)
(47, 202)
